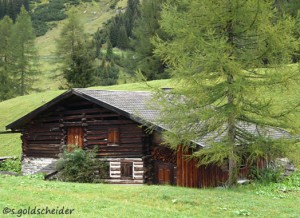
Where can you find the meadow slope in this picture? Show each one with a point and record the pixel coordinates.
(104, 200)
(92, 15)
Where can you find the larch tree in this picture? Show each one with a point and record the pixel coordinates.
(73, 50)
(6, 78)
(226, 56)
(24, 54)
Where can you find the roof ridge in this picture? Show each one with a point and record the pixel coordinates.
(145, 91)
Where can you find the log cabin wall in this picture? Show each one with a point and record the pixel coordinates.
(191, 175)
(116, 136)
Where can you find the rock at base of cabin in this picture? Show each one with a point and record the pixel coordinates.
(286, 165)
(33, 165)
(9, 173)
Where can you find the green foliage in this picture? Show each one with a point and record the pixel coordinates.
(12, 8)
(40, 27)
(53, 11)
(146, 27)
(6, 60)
(270, 174)
(114, 28)
(81, 165)
(11, 165)
(44, 13)
(75, 54)
(23, 52)
(215, 60)
(80, 73)
(113, 4)
(123, 40)
(278, 190)
(73, 2)
(107, 73)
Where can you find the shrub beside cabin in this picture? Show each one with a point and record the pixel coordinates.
(115, 121)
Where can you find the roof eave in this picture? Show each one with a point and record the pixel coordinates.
(15, 126)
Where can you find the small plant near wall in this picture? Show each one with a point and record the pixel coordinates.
(11, 165)
(267, 175)
(79, 165)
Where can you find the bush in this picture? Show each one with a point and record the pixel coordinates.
(81, 165)
(44, 13)
(267, 175)
(11, 165)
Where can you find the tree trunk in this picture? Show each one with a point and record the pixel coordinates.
(232, 180)
(231, 136)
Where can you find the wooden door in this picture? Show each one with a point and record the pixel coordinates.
(165, 173)
(164, 176)
(75, 136)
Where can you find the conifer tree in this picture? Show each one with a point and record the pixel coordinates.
(80, 73)
(6, 79)
(131, 14)
(123, 41)
(226, 55)
(146, 28)
(23, 52)
(72, 48)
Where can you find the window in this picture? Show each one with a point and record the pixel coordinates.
(126, 170)
(113, 136)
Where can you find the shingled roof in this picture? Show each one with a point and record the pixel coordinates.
(135, 105)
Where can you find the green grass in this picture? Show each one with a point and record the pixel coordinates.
(11, 110)
(103, 200)
(92, 15)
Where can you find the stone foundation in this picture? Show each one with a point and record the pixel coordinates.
(32, 165)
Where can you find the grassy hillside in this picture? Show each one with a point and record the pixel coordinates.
(102, 200)
(10, 110)
(92, 15)
(13, 109)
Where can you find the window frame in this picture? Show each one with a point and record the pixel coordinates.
(113, 136)
(126, 173)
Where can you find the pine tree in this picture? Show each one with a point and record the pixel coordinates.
(11, 10)
(131, 14)
(80, 73)
(24, 53)
(123, 41)
(109, 51)
(215, 53)
(146, 28)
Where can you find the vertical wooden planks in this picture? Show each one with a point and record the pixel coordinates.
(179, 165)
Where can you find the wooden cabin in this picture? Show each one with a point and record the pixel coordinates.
(116, 122)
